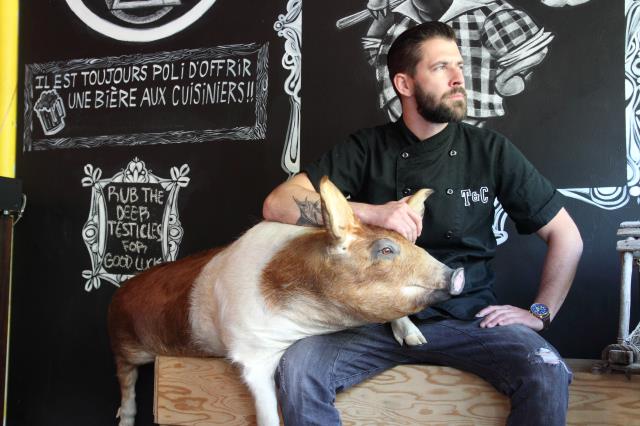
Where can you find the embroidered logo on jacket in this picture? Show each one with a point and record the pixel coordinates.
(475, 196)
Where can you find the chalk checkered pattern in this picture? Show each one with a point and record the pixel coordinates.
(484, 35)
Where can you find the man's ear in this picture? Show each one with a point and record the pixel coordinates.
(403, 84)
(416, 202)
(336, 211)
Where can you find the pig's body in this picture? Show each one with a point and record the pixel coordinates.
(228, 281)
(276, 284)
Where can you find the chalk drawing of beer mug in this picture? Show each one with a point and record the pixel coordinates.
(50, 111)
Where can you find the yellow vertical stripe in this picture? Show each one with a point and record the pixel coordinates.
(8, 102)
(8, 85)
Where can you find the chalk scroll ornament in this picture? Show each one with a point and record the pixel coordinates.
(289, 26)
(94, 232)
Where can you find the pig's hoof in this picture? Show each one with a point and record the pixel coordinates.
(404, 331)
(126, 419)
(415, 339)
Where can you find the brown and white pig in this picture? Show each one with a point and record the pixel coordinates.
(276, 284)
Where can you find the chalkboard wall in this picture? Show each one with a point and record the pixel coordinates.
(149, 134)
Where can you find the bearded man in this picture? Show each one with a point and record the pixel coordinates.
(469, 168)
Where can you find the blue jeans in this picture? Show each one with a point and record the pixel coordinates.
(514, 359)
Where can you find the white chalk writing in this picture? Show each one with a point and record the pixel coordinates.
(133, 226)
(185, 83)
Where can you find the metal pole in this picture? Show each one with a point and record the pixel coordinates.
(625, 297)
(6, 245)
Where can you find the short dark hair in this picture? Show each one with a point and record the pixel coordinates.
(404, 53)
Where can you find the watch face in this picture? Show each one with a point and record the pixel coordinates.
(539, 310)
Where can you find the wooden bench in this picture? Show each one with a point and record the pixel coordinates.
(208, 391)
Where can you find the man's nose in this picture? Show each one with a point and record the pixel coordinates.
(456, 78)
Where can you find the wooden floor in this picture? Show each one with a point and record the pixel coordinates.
(208, 391)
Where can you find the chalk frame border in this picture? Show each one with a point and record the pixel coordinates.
(94, 231)
(255, 132)
(289, 27)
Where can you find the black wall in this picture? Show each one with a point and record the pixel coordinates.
(569, 122)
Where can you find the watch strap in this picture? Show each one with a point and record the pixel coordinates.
(541, 311)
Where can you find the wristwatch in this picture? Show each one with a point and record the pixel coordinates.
(541, 311)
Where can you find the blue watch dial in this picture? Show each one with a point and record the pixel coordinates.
(539, 310)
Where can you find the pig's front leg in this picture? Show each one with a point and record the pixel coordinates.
(259, 378)
(406, 332)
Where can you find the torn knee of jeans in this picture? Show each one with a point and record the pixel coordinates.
(547, 356)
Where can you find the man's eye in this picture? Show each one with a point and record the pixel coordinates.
(386, 251)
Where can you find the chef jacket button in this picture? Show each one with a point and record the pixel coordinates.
(448, 234)
(449, 191)
(407, 191)
(453, 153)
(405, 155)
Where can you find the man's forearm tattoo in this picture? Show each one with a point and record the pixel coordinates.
(310, 212)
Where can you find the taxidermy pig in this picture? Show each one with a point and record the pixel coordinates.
(276, 284)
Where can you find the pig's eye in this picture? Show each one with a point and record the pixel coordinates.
(384, 249)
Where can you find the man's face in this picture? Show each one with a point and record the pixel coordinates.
(439, 82)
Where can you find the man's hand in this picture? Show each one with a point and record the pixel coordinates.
(394, 215)
(506, 315)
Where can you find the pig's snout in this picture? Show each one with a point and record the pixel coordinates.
(456, 283)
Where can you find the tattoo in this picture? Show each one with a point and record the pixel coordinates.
(310, 212)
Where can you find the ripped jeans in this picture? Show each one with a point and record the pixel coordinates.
(514, 359)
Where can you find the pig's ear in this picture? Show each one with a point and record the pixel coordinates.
(336, 211)
(416, 202)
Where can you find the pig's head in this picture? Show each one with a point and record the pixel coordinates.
(351, 273)
(377, 273)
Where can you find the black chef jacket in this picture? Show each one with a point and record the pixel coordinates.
(468, 168)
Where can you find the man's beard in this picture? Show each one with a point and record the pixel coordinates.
(437, 111)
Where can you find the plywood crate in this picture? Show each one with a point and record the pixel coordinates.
(208, 391)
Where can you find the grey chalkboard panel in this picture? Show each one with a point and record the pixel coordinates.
(569, 120)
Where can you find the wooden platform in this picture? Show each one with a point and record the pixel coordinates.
(208, 391)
